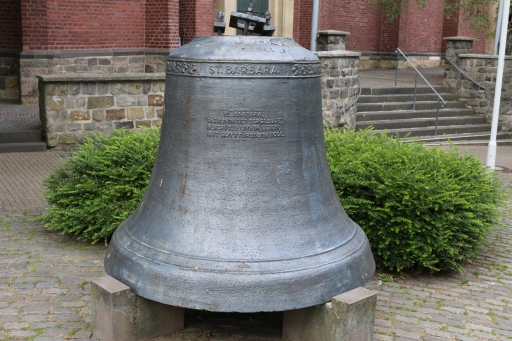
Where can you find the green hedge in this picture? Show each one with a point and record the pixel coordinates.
(421, 208)
(97, 188)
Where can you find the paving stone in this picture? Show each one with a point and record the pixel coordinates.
(466, 338)
(81, 334)
(457, 330)
(12, 326)
(432, 338)
(477, 309)
(9, 318)
(485, 336)
(37, 325)
(21, 333)
(66, 318)
(407, 335)
(33, 318)
(28, 291)
(47, 285)
(74, 304)
(384, 323)
(55, 331)
(437, 333)
(380, 337)
(43, 338)
(506, 333)
(76, 325)
(63, 311)
(478, 327)
(5, 312)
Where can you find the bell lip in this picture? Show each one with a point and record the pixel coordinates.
(128, 241)
(243, 49)
(240, 292)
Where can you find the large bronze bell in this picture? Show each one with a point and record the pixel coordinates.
(241, 213)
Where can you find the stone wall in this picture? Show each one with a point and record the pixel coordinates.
(483, 69)
(9, 71)
(339, 87)
(72, 106)
(339, 78)
(34, 63)
(387, 60)
(330, 40)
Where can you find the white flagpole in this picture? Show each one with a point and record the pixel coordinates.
(491, 151)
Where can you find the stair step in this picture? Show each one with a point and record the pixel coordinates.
(22, 147)
(405, 98)
(406, 106)
(20, 124)
(463, 139)
(399, 90)
(421, 122)
(409, 114)
(18, 136)
(449, 130)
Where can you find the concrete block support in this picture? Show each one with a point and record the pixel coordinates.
(120, 315)
(348, 317)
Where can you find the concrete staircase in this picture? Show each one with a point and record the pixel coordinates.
(390, 109)
(20, 129)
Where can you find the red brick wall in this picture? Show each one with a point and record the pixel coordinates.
(456, 26)
(389, 34)
(302, 14)
(450, 28)
(358, 17)
(92, 24)
(34, 24)
(421, 29)
(162, 23)
(464, 31)
(196, 18)
(96, 24)
(10, 25)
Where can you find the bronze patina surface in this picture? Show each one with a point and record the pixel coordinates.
(241, 213)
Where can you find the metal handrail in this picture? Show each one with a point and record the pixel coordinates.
(439, 99)
(474, 81)
(354, 101)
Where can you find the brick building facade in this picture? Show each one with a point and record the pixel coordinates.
(60, 36)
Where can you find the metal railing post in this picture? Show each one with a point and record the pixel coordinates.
(437, 118)
(415, 90)
(396, 70)
(419, 73)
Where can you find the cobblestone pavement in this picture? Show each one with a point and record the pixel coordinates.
(45, 290)
(44, 280)
(475, 305)
(19, 117)
(19, 178)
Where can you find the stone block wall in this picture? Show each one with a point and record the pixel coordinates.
(339, 79)
(9, 70)
(120, 61)
(483, 69)
(72, 106)
(330, 40)
(339, 87)
(387, 60)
